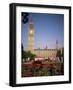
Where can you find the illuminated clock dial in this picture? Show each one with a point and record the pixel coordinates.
(31, 32)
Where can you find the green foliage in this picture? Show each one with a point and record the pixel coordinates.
(30, 55)
(62, 52)
(26, 55)
(22, 51)
(58, 54)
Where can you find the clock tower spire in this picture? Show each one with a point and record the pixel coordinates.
(31, 35)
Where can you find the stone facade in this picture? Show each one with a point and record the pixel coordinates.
(45, 53)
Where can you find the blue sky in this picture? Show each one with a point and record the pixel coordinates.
(48, 29)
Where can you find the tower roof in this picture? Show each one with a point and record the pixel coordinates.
(30, 20)
(56, 41)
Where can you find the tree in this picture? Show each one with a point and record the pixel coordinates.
(62, 53)
(25, 18)
(22, 50)
(24, 54)
(58, 54)
(31, 56)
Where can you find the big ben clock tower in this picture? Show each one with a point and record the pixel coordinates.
(31, 36)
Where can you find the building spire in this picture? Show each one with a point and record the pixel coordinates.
(30, 20)
(46, 47)
(56, 44)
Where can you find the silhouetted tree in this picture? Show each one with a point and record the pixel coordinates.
(31, 56)
(25, 17)
(62, 53)
(58, 54)
(22, 51)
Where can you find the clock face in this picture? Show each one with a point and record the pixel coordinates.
(31, 32)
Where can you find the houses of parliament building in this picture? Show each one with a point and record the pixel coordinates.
(45, 53)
